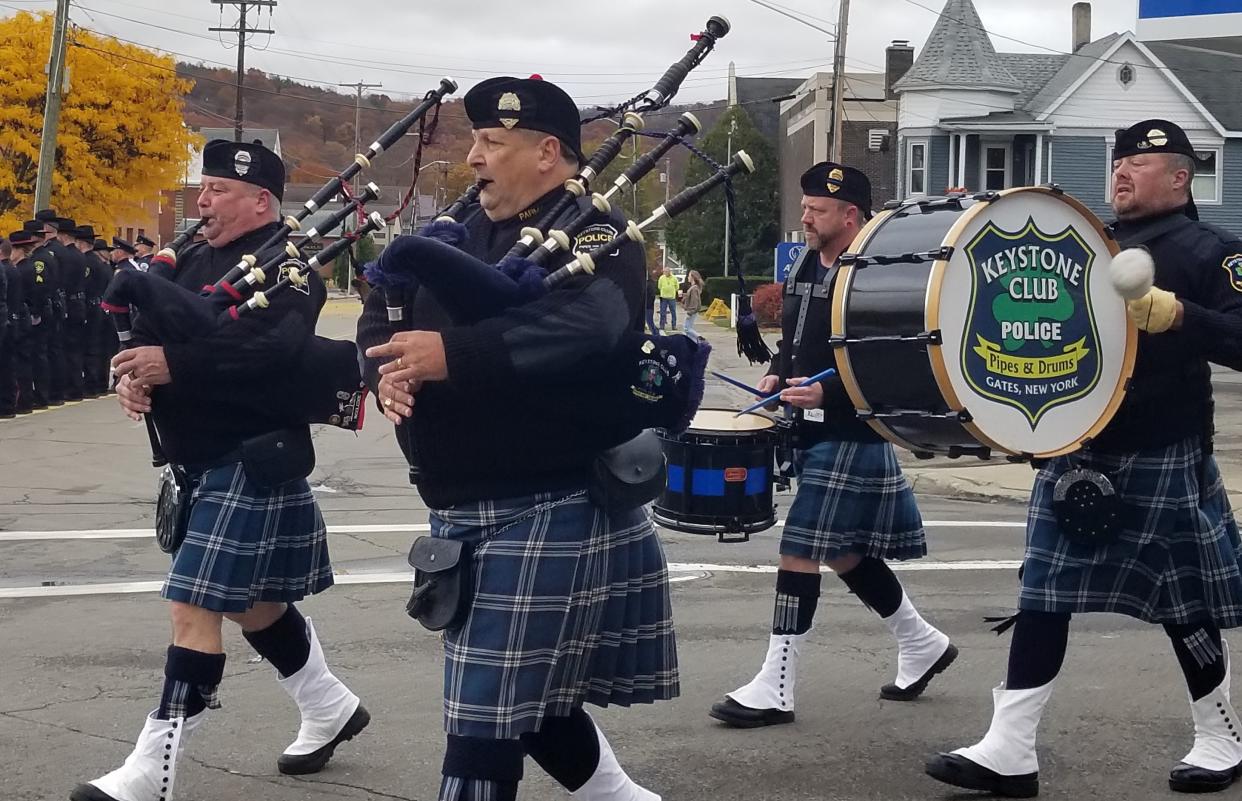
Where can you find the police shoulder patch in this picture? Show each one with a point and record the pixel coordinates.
(1233, 266)
(593, 236)
(294, 271)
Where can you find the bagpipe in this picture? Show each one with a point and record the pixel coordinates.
(323, 384)
(643, 381)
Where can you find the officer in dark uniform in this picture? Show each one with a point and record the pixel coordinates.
(108, 342)
(98, 272)
(44, 228)
(123, 254)
(73, 279)
(8, 384)
(500, 462)
(145, 251)
(854, 509)
(32, 372)
(255, 541)
(1174, 561)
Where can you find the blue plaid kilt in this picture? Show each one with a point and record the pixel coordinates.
(570, 606)
(852, 498)
(245, 545)
(1176, 560)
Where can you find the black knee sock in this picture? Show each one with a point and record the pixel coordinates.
(797, 596)
(479, 769)
(190, 682)
(566, 748)
(1037, 650)
(875, 584)
(1201, 655)
(285, 643)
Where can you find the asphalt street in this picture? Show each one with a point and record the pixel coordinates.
(83, 633)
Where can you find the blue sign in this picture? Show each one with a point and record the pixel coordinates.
(787, 255)
(1152, 9)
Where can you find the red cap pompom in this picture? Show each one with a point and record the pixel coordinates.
(536, 77)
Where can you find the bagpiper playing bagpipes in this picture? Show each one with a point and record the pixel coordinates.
(530, 467)
(224, 389)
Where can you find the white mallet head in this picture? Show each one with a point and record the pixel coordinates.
(1133, 272)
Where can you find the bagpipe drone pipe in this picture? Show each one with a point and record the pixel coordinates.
(322, 384)
(645, 381)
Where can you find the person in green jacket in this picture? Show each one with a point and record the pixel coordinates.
(668, 287)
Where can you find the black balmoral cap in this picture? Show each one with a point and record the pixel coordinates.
(531, 103)
(249, 162)
(837, 181)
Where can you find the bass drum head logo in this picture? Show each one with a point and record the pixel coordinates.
(1031, 339)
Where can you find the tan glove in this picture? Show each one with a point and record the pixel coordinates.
(1155, 311)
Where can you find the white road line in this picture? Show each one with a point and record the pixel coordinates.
(391, 528)
(680, 572)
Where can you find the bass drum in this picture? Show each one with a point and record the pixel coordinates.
(983, 325)
(720, 476)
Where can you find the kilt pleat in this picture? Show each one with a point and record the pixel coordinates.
(245, 545)
(1175, 561)
(570, 606)
(852, 498)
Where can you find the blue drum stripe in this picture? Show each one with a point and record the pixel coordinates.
(676, 478)
(707, 482)
(757, 480)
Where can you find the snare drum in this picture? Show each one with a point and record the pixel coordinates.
(985, 324)
(720, 475)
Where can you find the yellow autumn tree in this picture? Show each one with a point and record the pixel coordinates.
(121, 138)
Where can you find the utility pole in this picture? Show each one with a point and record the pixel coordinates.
(668, 182)
(838, 84)
(51, 108)
(732, 130)
(358, 87)
(241, 30)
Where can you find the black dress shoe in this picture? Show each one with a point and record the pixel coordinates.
(1190, 779)
(89, 792)
(743, 717)
(38, 407)
(313, 762)
(26, 411)
(56, 403)
(7, 415)
(74, 398)
(959, 771)
(892, 692)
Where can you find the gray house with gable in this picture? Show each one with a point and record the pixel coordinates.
(975, 119)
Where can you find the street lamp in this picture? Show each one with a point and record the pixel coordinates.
(414, 212)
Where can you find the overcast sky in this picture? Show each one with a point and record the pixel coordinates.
(597, 56)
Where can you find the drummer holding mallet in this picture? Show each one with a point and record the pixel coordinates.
(854, 508)
(1172, 558)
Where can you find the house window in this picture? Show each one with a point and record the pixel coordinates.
(1206, 187)
(795, 236)
(1126, 76)
(916, 168)
(996, 164)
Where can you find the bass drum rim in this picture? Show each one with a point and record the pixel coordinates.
(931, 314)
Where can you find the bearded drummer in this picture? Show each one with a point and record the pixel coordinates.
(1172, 558)
(854, 509)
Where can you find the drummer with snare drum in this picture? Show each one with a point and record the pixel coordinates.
(854, 508)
